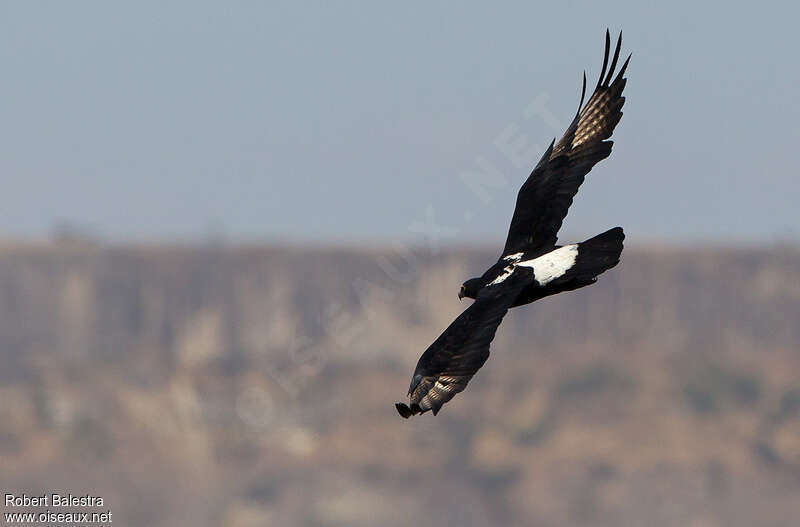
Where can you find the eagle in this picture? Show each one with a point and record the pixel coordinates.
(532, 266)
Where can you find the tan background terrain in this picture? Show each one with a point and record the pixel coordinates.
(255, 386)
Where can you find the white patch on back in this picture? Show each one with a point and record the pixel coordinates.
(507, 271)
(515, 257)
(552, 265)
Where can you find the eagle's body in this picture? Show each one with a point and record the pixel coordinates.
(560, 269)
(531, 266)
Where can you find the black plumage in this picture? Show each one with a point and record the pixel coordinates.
(547, 194)
(531, 266)
(450, 362)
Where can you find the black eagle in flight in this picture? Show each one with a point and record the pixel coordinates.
(532, 266)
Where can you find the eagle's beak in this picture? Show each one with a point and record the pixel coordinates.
(461, 293)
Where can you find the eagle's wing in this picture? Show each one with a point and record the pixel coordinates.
(545, 197)
(450, 362)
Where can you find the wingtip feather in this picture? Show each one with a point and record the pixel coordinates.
(624, 67)
(614, 60)
(605, 59)
(583, 94)
(403, 410)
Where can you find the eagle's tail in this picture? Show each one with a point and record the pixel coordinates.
(597, 255)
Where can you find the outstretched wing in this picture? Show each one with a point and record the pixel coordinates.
(544, 199)
(450, 362)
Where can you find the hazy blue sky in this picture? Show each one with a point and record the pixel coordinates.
(264, 120)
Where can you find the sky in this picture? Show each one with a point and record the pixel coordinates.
(372, 121)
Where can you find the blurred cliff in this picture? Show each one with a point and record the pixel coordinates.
(244, 386)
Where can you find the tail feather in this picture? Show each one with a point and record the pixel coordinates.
(597, 255)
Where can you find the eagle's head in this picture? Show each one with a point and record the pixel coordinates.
(470, 288)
